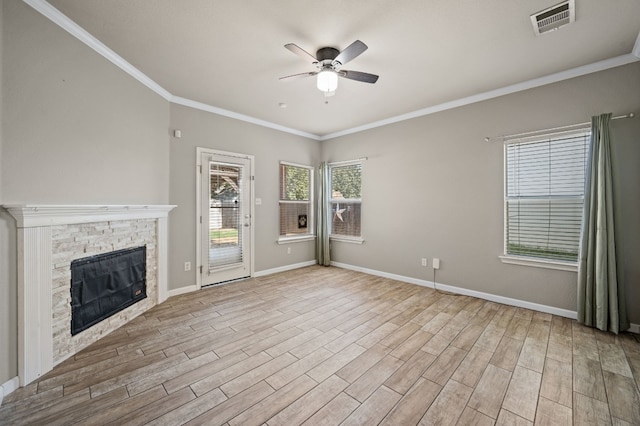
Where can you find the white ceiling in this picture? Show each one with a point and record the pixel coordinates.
(229, 54)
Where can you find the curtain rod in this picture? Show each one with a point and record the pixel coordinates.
(516, 135)
(348, 161)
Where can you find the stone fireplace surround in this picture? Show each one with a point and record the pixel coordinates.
(49, 238)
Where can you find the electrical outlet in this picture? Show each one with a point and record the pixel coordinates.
(187, 266)
(436, 263)
(424, 261)
(288, 250)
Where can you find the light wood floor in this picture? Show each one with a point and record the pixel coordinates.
(330, 346)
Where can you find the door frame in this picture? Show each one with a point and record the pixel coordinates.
(199, 152)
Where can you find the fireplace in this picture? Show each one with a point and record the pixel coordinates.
(50, 238)
(104, 284)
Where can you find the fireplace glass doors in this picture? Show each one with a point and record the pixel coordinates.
(105, 284)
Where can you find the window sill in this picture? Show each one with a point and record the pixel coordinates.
(287, 240)
(540, 263)
(351, 240)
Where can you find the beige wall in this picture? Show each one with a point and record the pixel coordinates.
(203, 129)
(76, 130)
(433, 188)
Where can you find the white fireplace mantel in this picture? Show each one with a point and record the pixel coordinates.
(33, 215)
(34, 223)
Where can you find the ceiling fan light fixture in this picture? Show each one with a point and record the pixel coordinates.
(327, 81)
(329, 62)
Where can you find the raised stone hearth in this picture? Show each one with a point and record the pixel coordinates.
(49, 238)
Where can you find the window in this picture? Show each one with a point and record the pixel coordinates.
(544, 192)
(346, 199)
(296, 201)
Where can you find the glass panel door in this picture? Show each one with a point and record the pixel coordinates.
(226, 218)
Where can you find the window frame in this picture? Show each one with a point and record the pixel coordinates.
(341, 237)
(535, 261)
(311, 233)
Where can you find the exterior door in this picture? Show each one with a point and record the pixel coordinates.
(226, 235)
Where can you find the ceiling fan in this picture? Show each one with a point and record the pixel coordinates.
(329, 62)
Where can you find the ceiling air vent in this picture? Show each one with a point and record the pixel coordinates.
(554, 17)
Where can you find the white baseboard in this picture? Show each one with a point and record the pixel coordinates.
(396, 277)
(182, 290)
(635, 328)
(284, 268)
(190, 288)
(466, 292)
(9, 387)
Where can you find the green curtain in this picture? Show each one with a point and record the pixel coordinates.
(323, 215)
(601, 300)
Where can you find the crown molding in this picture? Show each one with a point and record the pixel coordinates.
(246, 118)
(518, 87)
(81, 34)
(57, 17)
(74, 29)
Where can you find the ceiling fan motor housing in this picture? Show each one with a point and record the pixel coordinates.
(327, 54)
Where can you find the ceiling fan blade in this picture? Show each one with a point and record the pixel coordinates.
(351, 52)
(297, 76)
(365, 77)
(301, 52)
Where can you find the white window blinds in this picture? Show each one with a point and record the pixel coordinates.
(544, 192)
(346, 199)
(225, 221)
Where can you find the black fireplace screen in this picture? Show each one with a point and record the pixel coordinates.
(105, 284)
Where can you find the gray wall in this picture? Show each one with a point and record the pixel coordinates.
(433, 188)
(8, 335)
(76, 130)
(625, 145)
(203, 129)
